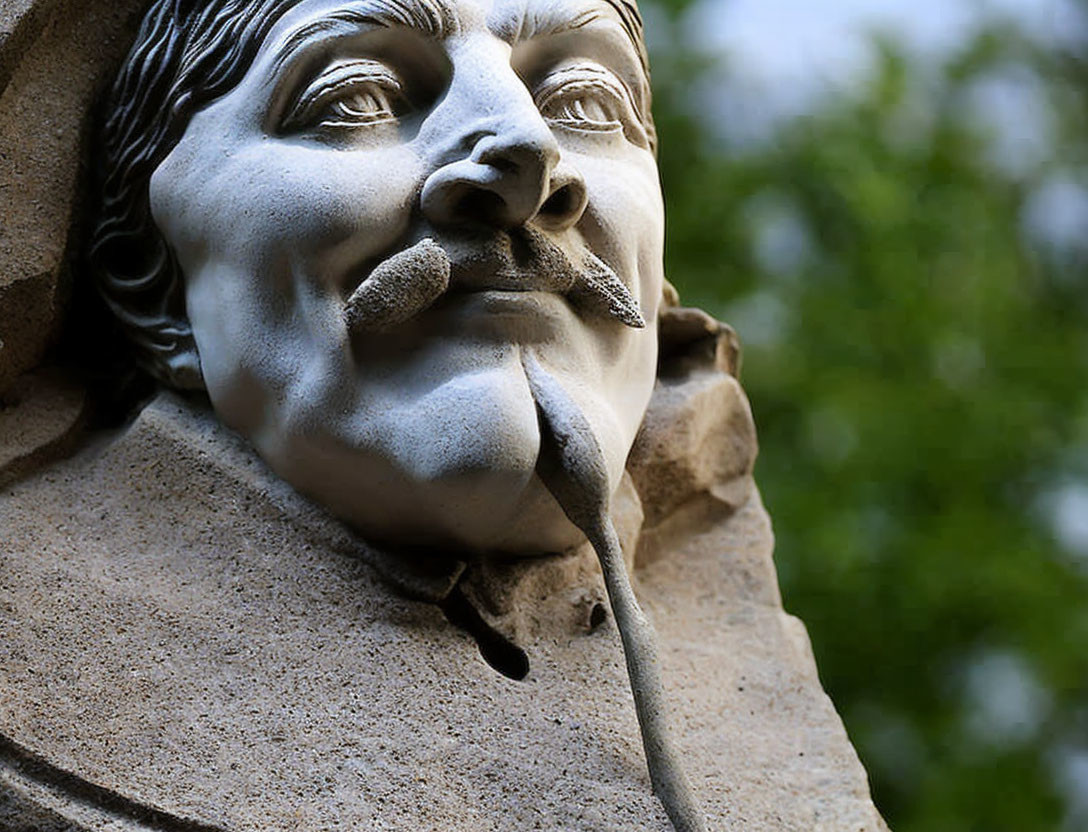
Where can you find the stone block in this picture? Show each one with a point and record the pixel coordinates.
(54, 57)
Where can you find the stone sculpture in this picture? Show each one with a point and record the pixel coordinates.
(420, 191)
(416, 191)
(411, 250)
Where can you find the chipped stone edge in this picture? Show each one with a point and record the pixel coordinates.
(32, 783)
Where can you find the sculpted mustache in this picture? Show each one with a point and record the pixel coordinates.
(411, 281)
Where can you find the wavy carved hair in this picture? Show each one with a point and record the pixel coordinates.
(187, 54)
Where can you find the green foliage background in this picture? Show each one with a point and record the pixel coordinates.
(917, 368)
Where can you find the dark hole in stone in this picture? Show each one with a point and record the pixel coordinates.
(497, 650)
(481, 206)
(597, 616)
(559, 204)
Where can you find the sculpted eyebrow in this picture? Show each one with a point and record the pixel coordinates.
(430, 17)
(545, 23)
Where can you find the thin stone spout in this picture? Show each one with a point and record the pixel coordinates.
(572, 467)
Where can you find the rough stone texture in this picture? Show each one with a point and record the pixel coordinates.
(20, 23)
(180, 629)
(54, 54)
(40, 418)
(698, 436)
(18, 814)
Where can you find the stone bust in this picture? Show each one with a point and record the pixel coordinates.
(477, 177)
(374, 242)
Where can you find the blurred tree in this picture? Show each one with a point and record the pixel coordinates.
(910, 288)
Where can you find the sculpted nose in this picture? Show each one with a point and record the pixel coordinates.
(505, 171)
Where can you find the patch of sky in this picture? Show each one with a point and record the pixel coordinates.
(783, 240)
(1004, 703)
(1065, 509)
(1010, 106)
(760, 318)
(782, 57)
(1056, 216)
(1070, 770)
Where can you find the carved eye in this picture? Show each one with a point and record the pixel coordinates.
(585, 98)
(354, 93)
(368, 104)
(585, 108)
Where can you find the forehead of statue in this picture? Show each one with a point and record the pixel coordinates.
(512, 21)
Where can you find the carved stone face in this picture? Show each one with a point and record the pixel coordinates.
(505, 131)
